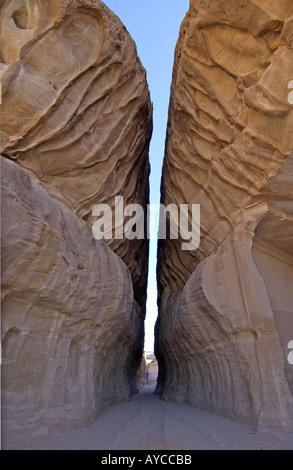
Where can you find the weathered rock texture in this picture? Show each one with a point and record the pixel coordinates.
(76, 109)
(70, 322)
(224, 319)
(76, 124)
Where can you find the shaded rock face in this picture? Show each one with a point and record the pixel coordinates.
(76, 124)
(225, 321)
(70, 322)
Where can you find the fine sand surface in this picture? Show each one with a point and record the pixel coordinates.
(148, 423)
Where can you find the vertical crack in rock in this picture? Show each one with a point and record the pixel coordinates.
(225, 309)
(76, 122)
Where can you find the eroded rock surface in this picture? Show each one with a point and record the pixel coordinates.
(76, 122)
(69, 319)
(222, 333)
(76, 109)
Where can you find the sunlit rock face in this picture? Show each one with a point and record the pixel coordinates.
(226, 315)
(76, 109)
(76, 121)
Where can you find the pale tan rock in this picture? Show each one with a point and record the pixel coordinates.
(221, 333)
(76, 121)
(141, 374)
(69, 320)
(76, 109)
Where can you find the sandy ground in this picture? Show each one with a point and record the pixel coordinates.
(148, 423)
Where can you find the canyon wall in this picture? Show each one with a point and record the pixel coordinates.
(76, 121)
(224, 322)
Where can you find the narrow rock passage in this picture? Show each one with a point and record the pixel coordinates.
(148, 423)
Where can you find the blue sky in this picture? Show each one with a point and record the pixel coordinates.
(154, 26)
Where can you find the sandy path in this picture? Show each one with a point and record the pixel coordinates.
(147, 423)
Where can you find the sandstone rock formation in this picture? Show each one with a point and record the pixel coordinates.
(226, 309)
(70, 321)
(76, 122)
(76, 109)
